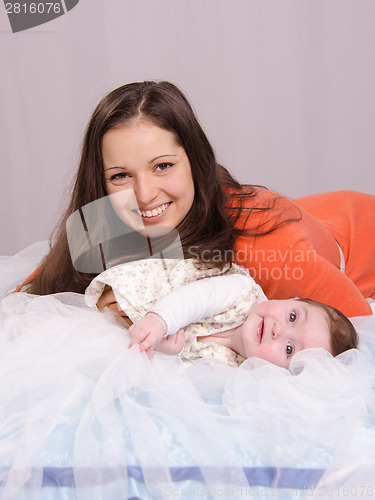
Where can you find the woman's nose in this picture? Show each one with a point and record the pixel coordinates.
(145, 190)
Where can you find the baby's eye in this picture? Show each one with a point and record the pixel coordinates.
(292, 316)
(289, 349)
(163, 166)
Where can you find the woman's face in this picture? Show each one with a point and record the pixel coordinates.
(148, 161)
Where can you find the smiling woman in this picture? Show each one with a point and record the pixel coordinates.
(144, 137)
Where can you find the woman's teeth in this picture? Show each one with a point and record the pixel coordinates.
(154, 212)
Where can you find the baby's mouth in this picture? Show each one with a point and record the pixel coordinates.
(260, 331)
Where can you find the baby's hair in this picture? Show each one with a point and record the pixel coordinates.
(343, 333)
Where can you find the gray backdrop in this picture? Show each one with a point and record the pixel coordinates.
(283, 88)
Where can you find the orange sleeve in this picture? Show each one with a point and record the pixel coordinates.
(349, 217)
(300, 259)
(27, 280)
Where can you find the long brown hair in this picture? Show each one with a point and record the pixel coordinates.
(209, 226)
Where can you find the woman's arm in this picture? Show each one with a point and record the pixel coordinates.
(108, 299)
(300, 259)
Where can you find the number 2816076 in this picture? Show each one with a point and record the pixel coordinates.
(33, 8)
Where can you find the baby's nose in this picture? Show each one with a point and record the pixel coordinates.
(278, 331)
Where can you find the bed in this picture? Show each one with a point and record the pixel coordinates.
(84, 417)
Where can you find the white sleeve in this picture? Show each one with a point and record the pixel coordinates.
(200, 299)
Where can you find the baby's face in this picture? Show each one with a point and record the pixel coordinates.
(275, 330)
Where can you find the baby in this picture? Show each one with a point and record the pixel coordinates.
(238, 320)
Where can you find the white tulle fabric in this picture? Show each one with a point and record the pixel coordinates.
(84, 417)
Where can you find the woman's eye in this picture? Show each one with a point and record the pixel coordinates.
(292, 317)
(289, 349)
(119, 178)
(163, 166)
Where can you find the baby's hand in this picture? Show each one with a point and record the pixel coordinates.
(172, 344)
(147, 332)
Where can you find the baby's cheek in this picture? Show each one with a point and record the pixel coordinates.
(272, 355)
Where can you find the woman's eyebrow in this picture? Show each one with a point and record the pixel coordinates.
(161, 156)
(111, 168)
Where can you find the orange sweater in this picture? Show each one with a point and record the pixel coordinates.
(302, 259)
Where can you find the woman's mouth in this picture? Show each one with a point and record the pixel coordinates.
(260, 331)
(151, 214)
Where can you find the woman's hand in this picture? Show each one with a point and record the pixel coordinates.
(107, 299)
